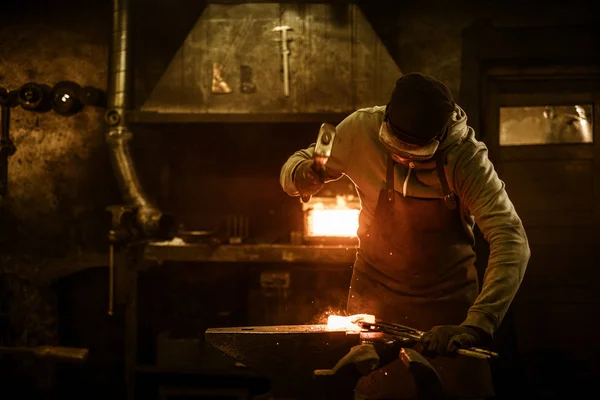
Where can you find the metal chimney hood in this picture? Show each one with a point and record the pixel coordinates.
(273, 62)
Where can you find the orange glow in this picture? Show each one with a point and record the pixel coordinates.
(333, 217)
(339, 223)
(341, 323)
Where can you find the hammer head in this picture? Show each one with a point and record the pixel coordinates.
(324, 145)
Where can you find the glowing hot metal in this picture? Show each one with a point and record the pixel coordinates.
(348, 323)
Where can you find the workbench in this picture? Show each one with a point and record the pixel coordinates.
(177, 250)
(157, 254)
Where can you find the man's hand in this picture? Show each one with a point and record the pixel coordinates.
(306, 179)
(446, 339)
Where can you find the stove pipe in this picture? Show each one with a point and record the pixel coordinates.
(149, 218)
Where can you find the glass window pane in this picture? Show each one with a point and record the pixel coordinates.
(546, 124)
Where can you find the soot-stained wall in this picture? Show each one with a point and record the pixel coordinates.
(59, 178)
(60, 175)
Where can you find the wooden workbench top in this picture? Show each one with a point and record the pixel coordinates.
(177, 250)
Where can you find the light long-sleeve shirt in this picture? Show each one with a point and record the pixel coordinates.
(359, 154)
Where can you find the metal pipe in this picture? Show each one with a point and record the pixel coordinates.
(149, 218)
(7, 149)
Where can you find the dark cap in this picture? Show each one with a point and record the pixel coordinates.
(418, 113)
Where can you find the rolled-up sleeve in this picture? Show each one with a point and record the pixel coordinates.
(336, 165)
(484, 195)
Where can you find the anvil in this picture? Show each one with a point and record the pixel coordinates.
(289, 354)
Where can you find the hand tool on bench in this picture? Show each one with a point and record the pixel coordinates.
(322, 152)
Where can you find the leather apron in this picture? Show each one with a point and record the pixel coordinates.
(415, 267)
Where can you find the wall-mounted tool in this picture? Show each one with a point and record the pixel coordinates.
(246, 84)
(322, 152)
(219, 86)
(126, 229)
(285, 52)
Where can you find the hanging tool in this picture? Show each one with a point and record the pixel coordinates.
(407, 333)
(285, 51)
(64, 354)
(123, 218)
(7, 147)
(322, 152)
(246, 84)
(219, 86)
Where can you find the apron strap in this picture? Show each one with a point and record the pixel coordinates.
(449, 196)
(389, 184)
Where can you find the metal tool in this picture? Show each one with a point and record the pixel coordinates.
(219, 86)
(322, 152)
(7, 147)
(65, 354)
(122, 228)
(285, 51)
(246, 84)
(408, 333)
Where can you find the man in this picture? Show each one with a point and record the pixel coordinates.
(424, 180)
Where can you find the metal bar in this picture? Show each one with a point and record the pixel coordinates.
(252, 253)
(286, 68)
(131, 321)
(111, 279)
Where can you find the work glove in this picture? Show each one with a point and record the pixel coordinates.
(446, 339)
(307, 180)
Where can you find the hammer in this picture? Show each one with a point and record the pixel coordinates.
(322, 152)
